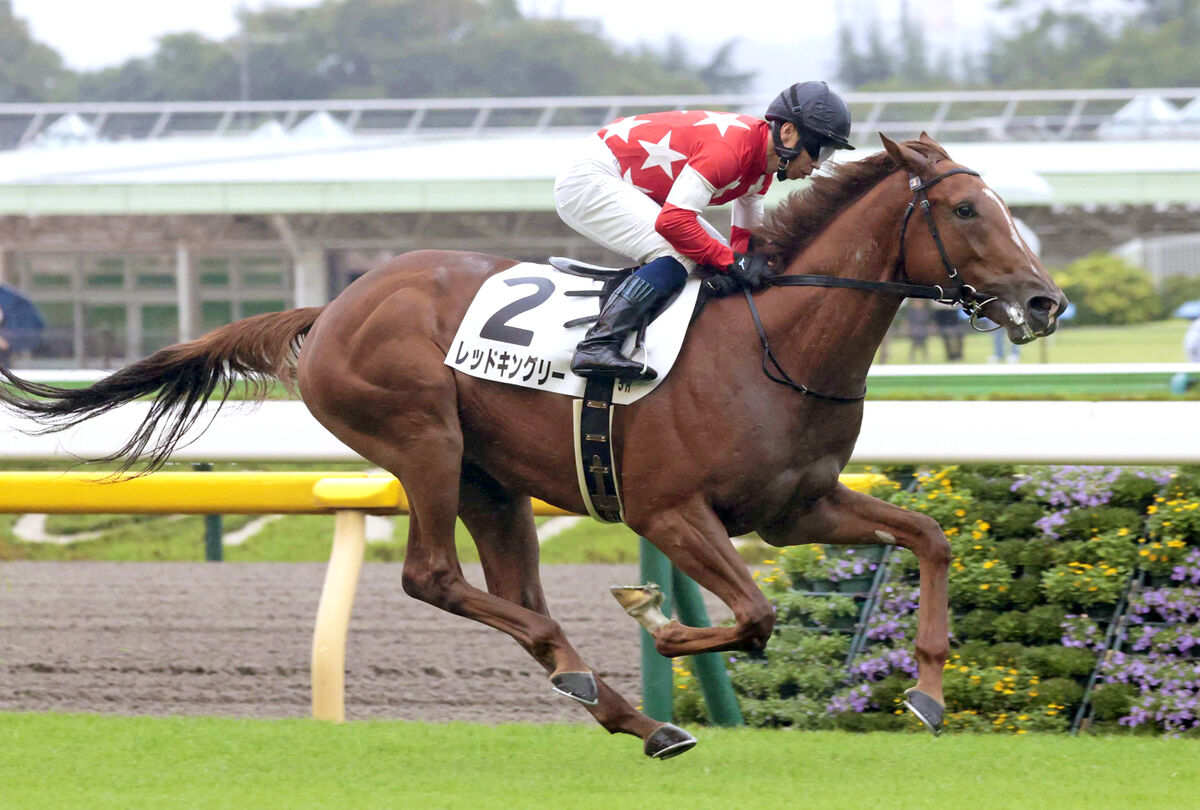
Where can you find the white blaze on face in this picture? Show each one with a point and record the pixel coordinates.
(1016, 236)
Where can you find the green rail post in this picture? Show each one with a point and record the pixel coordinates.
(214, 550)
(719, 697)
(658, 682)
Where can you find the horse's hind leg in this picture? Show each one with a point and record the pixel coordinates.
(414, 433)
(502, 526)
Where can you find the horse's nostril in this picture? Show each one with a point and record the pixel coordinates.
(1042, 304)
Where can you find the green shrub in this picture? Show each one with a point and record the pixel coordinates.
(1038, 554)
(1019, 519)
(1044, 625)
(1083, 524)
(1026, 591)
(1082, 585)
(1009, 626)
(975, 625)
(1108, 290)
(1133, 491)
(1177, 289)
(1060, 692)
(1111, 701)
(1059, 662)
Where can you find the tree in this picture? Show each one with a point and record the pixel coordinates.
(29, 70)
(411, 48)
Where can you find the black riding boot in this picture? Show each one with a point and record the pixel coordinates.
(600, 350)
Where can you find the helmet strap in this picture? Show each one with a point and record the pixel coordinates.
(785, 154)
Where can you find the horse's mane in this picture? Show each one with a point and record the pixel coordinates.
(797, 221)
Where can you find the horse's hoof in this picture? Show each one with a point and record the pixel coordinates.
(927, 710)
(579, 686)
(644, 603)
(668, 741)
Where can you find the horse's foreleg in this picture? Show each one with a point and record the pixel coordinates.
(696, 542)
(502, 526)
(851, 518)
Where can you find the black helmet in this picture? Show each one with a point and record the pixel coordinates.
(820, 116)
(814, 107)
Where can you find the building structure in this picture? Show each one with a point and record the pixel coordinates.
(135, 225)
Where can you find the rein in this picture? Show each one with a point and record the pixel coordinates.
(958, 293)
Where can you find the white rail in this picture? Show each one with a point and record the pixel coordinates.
(892, 433)
(973, 115)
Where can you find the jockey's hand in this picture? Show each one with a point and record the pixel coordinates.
(751, 270)
(719, 285)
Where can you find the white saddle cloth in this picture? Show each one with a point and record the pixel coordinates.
(513, 332)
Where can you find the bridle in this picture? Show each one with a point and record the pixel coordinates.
(955, 293)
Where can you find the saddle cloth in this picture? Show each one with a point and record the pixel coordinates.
(513, 332)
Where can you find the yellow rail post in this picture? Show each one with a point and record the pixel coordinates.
(354, 499)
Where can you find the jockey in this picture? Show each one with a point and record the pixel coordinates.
(642, 181)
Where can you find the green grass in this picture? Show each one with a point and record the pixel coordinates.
(68, 761)
(590, 541)
(1154, 342)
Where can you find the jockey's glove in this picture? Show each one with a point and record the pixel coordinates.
(751, 270)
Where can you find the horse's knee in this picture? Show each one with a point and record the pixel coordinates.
(757, 625)
(435, 585)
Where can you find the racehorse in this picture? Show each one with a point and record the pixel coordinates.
(719, 450)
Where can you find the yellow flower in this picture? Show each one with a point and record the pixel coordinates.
(984, 586)
(960, 512)
(984, 525)
(1150, 510)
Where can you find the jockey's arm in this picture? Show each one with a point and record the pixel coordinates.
(748, 214)
(678, 221)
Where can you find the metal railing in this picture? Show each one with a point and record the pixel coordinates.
(968, 115)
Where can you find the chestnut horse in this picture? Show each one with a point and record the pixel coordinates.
(718, 450)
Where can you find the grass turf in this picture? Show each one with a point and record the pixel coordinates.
(1154, 342)
(57, 761)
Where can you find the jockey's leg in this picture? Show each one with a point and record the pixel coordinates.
(636, 300)
(594, 199)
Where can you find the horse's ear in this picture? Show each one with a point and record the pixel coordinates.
(930, 142)
(905, 156)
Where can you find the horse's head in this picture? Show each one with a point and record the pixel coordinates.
(980, 241)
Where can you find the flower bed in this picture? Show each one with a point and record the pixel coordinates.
(1042, 556)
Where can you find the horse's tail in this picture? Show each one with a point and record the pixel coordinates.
(179, 378)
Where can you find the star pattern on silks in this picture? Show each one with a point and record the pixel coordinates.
(661, 155)
(621, 127)
(628, 178)
(722, 121)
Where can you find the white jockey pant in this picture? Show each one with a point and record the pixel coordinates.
(593, 198)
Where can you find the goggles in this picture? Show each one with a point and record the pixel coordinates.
(820, 152)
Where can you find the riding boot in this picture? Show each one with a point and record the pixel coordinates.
(600, 350)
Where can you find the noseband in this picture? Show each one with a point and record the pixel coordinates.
(957, 293)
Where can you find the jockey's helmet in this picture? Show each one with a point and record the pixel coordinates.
(820, 116)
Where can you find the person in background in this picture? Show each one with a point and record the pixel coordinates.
(919, 327)
(1182, 381)
(5, 346)
(950, 327)
(1004, 349)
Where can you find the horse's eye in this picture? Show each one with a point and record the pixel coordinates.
(965, 210)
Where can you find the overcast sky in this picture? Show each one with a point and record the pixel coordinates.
(784, 40)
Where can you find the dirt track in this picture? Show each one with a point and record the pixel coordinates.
(235, 639)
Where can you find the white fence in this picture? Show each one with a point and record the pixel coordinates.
(971, 115)
(895, 432)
